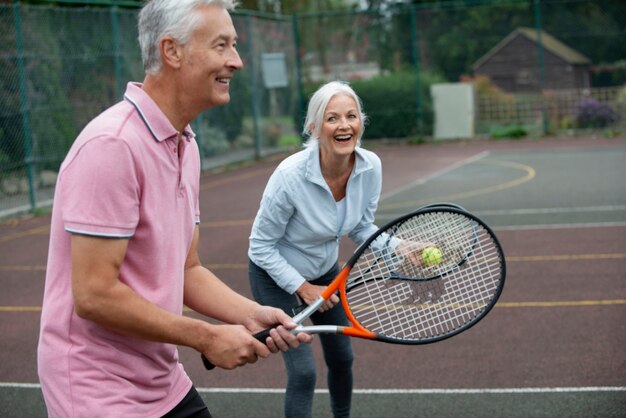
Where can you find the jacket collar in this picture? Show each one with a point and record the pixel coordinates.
(314, 170)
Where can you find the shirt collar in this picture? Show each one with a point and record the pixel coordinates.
(157, 123)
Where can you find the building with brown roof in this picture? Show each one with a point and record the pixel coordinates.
(514, 65)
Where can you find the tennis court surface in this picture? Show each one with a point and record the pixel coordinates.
(554, 345)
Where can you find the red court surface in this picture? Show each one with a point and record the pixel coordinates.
(558, 207)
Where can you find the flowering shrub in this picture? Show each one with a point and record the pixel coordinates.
(595, 114)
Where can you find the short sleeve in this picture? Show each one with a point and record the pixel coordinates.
(100, 191)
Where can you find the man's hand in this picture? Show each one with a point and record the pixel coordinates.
(281, 338)
(231, 346)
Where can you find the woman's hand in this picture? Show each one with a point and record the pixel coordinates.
(309, 293)
(412, 251)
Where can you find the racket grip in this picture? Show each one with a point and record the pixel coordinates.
(207, 364)
(260, 336)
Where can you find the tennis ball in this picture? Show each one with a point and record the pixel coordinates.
(431, 256)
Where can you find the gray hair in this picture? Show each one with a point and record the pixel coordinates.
(177, 18)
(317, 107)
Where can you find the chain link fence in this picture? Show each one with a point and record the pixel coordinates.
(547, 66)
(59, 68)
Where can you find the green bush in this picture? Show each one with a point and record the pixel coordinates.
(509, 132)
(390, 102)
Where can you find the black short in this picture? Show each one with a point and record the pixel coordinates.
(192, 406)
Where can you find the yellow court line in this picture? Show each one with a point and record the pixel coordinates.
(530, 304)
(232, 179)
(40, 230)
(38, 267)
(20, 308)
(530, 174)
(511, 259)
(566, 257)
(570, 303)
(219, 224)
(44, 230)
(226, 266)
(41, 267)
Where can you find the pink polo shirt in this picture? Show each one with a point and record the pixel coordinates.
(124, 177)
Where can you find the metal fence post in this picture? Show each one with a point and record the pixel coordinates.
(298, 60)
(253, 87)
(416, 66)
(24, 107)
(117, 45)
(544, 120)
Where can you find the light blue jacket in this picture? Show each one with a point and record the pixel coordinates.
(295, 235)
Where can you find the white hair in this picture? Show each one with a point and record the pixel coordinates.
(176, 18)
(317, 107)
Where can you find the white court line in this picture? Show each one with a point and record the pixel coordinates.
(20, 385)
(560, 226)
(387, 391)
(423, 180)
(533, 211)
(543, 211)
(431, 391)
(539, 226)
(502, 390)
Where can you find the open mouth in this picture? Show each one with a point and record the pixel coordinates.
(343, 138)
(223, 80)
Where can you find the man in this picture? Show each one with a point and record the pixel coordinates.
(123, 253)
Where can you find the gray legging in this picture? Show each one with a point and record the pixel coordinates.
(300, 363)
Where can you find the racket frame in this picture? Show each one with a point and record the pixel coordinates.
(340, 284)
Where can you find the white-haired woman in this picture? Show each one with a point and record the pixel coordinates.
(313, 198)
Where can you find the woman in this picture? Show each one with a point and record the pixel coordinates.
(313, 198)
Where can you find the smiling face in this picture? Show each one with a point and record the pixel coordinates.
(210, 58)
(341, 126)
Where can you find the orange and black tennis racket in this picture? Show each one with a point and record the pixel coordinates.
(391, 293)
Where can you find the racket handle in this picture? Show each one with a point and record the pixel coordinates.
(207, 364)
(260, 336)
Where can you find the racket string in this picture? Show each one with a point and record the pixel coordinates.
(396, 298)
